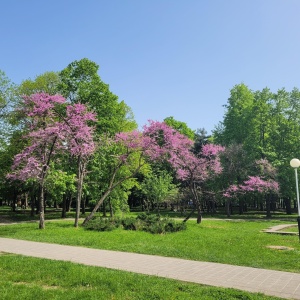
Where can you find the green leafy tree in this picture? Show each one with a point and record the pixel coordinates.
(158, 188)
(47, 82)
(180, 127)
(238, 119)
(80, 83)
(267, 125)
(58, 183)
(7, 104)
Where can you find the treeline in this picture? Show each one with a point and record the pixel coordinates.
(262, 125)
(67, 141)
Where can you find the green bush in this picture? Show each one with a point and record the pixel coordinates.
(103, 224)
(129, 224)
(165, 225)
(143, 222)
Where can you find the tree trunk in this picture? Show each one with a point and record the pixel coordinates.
(287, 202)
(83, 203)
(69, 202)
(91, 215)
(41, 207)
(228, 209)
(112, 186)
(196, 201)
(199, 213)
(64, 206)
(189, 215)
(111, 211)
(32, 202)
(26, 200)
(104, 208)
(268, 205)
(14, 203)
(241, 206)
(80, 172)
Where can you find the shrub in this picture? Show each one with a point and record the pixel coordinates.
(165, 225)
(129, 224)
(103, 224)
(143, 222)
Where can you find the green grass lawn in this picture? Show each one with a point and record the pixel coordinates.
(33, 278)
(236, 241)
(233, 242)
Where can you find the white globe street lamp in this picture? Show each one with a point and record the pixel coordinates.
(295, 163)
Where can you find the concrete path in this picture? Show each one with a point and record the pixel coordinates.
(275, 283)
(279, 229)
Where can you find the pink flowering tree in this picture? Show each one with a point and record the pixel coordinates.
(79, 143)
(263, 183)
(50, 131)
(132, 150)
(159, 142)
(196, 169)
(44, 134)
(192, 169)
(263, 186)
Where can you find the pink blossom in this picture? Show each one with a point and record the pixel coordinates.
(49, 134)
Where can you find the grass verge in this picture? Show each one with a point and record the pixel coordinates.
(34, 278)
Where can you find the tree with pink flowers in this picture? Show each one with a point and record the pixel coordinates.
(132, 150)
(51, 131)
(159, 142)
(43, 137)
(196, 169)
(79, 143)
(264, 183)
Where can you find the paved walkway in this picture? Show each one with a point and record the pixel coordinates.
(279, 229)
(275, 283)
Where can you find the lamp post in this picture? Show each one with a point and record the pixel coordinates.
(295, 163)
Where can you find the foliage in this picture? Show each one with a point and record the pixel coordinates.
(196, 170)
(58, 183)
(143, 222)
(263, 183)
(49, 131)
(180, 127)
(157, 142)
(158, 188)
(46, 132)
(45, 83)
(80, 83)
(7, 102)
(267, 125)
(103, 224)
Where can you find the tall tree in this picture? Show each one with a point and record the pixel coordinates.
(196, 170)
(80, 143)
(34, 160)
(267, 125)
(80, 83)
(47, 82)
(50, 130)
(237, 122)
(157, 188)
(7, 103)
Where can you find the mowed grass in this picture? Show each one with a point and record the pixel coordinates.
(232, 242)
(34, 278)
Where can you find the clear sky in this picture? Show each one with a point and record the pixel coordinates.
(164, 58)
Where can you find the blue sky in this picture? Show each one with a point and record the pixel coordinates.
(164, 58)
